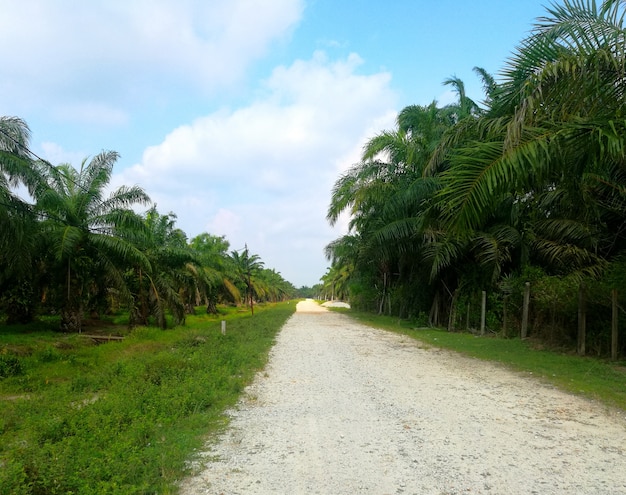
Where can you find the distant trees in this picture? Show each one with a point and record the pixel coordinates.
(465, 198)
(70, 250)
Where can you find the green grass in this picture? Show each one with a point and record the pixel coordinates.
(594, 378)
(122, 417)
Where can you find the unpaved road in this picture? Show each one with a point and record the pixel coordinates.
(345, 409)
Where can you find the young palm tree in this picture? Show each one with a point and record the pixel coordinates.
(248, 266)
(172, 274)
(212, 252)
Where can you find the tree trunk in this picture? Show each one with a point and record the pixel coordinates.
(143, 311)
(453, 304)
(381, 306)
(505, 315)
(71, 319)
(211, 305)
(433, 319)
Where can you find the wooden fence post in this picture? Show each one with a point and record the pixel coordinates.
(582, 320)
(452, 318)
(505, 315)
(524, 329)
(483, 312)
(614, 324)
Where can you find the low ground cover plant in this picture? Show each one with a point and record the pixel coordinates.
(125, 416)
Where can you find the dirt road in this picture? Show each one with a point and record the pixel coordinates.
(346, 409)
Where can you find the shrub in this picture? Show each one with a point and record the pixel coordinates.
(10, 366)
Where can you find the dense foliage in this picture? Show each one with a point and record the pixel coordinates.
(528, 186)
(68, 249)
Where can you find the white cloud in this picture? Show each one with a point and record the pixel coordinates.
(226, 223)
(89, 112)
(56, 154)
(262, 174)
(448, 97)
(120, 52)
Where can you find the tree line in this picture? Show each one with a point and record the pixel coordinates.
(70, 250)
(527, 185)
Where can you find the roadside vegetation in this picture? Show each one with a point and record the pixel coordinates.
(68, 248)
(525, 186)
(126, 416)
(80, 266)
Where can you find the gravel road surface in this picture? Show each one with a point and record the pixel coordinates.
(346, 409)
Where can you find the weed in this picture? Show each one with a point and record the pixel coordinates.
(10, 366)
(124, 417)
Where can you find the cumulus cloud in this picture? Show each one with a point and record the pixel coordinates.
(56, 154)
(263, 173)
(126, 52)
(115, 74)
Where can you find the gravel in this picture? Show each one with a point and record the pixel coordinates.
(342, 408)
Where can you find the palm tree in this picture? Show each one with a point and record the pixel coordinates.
(212, 252)
(247, 266)
(172, 275)
(18, 224)
(465, 107)
(90, 237)
(275, 287)
(554, 139)
(389, 197)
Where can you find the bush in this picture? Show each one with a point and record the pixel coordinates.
(10, 366)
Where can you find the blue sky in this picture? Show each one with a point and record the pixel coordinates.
(239, 115)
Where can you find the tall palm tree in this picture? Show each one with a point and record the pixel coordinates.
(465, 106)
(554, 138)
(90, 236)
(389, 196)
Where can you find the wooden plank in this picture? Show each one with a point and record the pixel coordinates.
(98, 339)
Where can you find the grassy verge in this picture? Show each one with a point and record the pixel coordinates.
(594, 378)
(121, 417)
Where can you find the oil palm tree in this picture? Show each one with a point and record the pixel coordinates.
(90, 237)
(18, 224)
(218, 279)
(553, 139)
(389, 196)
(247, 267)
(172, 274)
